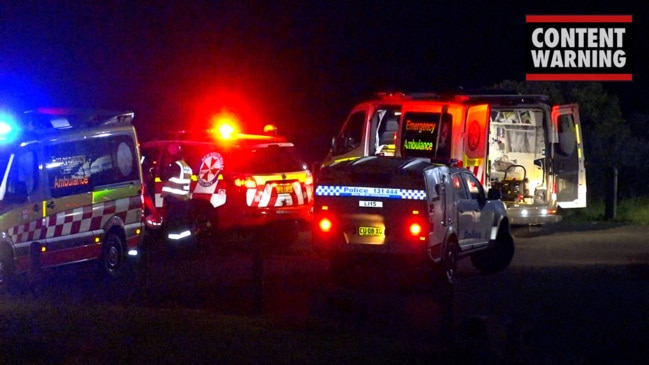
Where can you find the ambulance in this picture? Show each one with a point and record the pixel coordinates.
(70, 191)
(521, 145)
(249, 183)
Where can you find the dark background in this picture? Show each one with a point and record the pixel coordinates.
(299, 65)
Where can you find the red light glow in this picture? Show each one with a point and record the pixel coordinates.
(325, 225)
(415, 229)
(246, 182)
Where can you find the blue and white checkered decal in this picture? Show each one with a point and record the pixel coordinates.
(329, 190)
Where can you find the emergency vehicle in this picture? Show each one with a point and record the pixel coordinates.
(239, 182)
(410, 210)
(519, 144)
(70, 190)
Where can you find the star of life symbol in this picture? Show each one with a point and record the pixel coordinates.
(211, 166)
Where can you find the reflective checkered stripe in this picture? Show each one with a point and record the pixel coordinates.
(370, 192)
(478, 171)
(78, 220)
(476, 166)
(215, 193)
(267, 195)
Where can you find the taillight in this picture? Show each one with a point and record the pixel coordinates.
(416, 227)
(325, 225)
(144, 192)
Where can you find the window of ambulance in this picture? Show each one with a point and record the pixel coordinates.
(80, 166)
(421, 135)
(351, 135)
(22, 179)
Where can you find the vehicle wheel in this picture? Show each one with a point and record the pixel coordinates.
(497, 257)
(448, 266)
(113, 254)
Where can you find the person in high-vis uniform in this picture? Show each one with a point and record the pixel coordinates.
(176, 176)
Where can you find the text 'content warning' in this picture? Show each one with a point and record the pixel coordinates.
(579, 48)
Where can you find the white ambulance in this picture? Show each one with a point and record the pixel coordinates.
(70, 191)
(519, 144)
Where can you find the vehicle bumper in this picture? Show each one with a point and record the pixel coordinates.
(258, 217)
(530, 215)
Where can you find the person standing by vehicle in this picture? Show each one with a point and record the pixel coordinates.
(176, 175)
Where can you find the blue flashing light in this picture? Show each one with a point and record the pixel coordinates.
(8, 127)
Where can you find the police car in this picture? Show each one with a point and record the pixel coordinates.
(411, 210)
(70, 190)
(239, 182)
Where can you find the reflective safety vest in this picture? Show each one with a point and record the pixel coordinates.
(178, 184)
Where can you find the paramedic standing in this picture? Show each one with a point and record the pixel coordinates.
(176, 175)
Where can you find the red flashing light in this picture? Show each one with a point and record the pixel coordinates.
(224, 124)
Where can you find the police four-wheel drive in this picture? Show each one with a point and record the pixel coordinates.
(411, 211)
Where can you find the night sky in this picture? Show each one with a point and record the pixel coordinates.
(300, 65)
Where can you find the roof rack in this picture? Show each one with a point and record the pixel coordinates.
(500, 97)
(63, 118)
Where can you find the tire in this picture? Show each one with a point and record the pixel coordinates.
(113, 255)
(497, 257)
(447, 269)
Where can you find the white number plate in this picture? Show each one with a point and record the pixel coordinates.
(370, 204)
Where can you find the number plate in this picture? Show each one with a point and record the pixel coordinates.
(284, 189)
(370, 231)
(370, 204)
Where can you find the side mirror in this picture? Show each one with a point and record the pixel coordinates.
(494, 194)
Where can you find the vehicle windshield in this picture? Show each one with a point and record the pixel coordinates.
(267, 159)
(421, 136)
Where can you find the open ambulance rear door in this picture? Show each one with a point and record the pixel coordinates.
(568, 157)
(476, 133)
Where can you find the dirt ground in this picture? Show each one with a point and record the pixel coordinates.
(572, 295)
